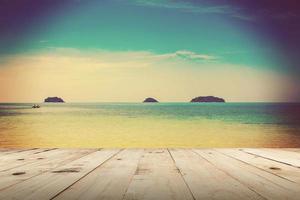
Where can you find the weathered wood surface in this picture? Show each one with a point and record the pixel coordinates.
(149, 174)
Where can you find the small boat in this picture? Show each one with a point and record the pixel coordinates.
(36, 106)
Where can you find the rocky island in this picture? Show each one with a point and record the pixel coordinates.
(207, 99)
(150, 100)
(54, 100)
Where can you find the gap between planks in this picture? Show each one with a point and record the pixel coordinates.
(156, 173)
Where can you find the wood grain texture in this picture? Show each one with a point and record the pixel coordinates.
(49, 184)
(21, 158)
(149, 174)
(263, 183)
(41, 164)
(285, 171)
(278, 155)
(157, 177)
(5, 151)
(208, 182)
(109, 181)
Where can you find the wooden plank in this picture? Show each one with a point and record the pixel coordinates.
(22, 160)
(286, 157)
(291, 149)
(5, 151)
(19, 156)
(157, 178)
(153, 174)
(279, 169)
(10, 154)
(110, 181)
(42, 165)
(206, 181)
(49, 184)
(262, 182)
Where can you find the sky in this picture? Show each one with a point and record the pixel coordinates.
(127, 50)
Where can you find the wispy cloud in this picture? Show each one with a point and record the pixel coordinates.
(194, 56)
(203, 7)
(245, 11)
(187, 6)
(43, 41)
(104, 58)
(131, 75)
(188, 55)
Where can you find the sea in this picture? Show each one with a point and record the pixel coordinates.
(150, 125)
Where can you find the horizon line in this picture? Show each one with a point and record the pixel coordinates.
(146, 102)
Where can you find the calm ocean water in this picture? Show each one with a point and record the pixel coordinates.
(150, 125)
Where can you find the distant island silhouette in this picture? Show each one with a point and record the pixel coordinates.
(54, 100)
(207, 99)
(204, 99)
(150, 100)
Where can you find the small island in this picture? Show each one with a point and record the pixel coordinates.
(207, 99)
(54, 100)
(150, 100)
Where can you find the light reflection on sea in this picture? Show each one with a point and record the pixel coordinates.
(150, 125)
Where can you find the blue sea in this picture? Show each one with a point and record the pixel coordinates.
(150, 125)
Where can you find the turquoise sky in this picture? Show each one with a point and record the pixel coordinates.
(160, 27)
(171, 38)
